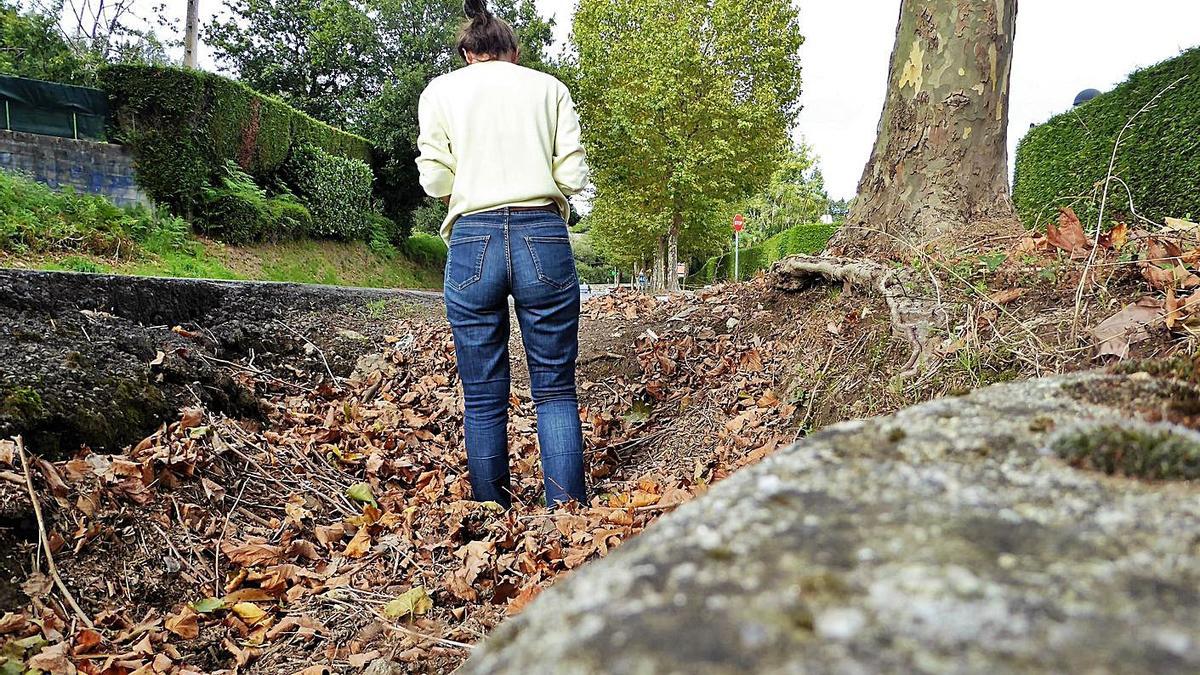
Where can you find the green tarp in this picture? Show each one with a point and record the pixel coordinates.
(52, 109)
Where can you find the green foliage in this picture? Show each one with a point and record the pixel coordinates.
(1065, 161)
(428, 217)
(839, 209)
(185, 127)
(35, 219)
(590, 265)
(31, 46)
(794, 194)
(361, 66)
(686, 105)
(85, 233)
(336, 190)
(802, 239)
(425, 249)
(239, 212)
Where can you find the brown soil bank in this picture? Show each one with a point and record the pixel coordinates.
(103, 360)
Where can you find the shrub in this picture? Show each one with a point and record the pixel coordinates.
(801, 239)
(1065, 161)
(382, 232)
(336, 190)
(425, 249)
(37, 219)
(184, 127)
(238, 211)
(289, 218)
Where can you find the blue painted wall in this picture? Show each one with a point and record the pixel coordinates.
(87, 166)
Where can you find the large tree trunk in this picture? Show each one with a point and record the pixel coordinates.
(657, 278)
(941, 158)
(672, 279)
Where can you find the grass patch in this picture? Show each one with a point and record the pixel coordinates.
(62, 231)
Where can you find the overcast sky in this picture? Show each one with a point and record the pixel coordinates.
(1063, 47)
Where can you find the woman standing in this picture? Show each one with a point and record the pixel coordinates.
(500, 145)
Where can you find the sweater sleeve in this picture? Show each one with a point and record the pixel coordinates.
(570, 165)
(435, 162)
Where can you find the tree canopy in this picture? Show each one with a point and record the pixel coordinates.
(360, 66)
(32, 46)
(794, 195)
(686, 105)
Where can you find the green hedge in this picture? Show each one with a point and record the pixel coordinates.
(238, 211)
(806, 239)
(183, 126)
(1061, 162)
(336, 190)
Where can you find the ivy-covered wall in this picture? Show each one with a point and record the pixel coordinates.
(1065, 161)
(194, 134)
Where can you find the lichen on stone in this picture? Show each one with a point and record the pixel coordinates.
(1136, 450)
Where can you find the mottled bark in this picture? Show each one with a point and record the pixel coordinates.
(941, 157)
(657, 279)
(672, 280)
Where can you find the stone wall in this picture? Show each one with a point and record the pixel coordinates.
(949, 538)
(87, 166)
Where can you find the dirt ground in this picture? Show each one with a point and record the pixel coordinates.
(333, 527)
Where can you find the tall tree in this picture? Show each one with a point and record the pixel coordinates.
(66, 40)
(361, 66)
(941, 157)
(335, 58)
(31, 45)
(794, 195)
(686, 105)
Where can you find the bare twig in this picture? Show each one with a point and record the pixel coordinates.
(812, 397)
(423, 636)
(221, 538)
(260, 373)
(45, 540)
(1112, 165)
(332, 378)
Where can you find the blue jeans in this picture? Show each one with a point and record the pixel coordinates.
(525, 254)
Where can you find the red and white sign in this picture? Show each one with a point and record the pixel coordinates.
(739, 223)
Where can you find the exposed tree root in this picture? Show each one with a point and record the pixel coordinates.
(913, 317)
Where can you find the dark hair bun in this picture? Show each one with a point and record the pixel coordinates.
(475, 8)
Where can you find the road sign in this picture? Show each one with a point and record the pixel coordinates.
(739, 224)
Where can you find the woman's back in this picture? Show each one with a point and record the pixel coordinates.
(497, 134)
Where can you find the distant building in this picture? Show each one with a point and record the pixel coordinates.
(1085, 96)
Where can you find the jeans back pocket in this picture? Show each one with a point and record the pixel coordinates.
(464, 260)
(553, 260)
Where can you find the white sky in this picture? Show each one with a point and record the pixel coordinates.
(1063, 47)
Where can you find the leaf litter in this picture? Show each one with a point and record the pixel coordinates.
(340, 531)
(343, 527)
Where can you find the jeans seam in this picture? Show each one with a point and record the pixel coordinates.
(508, 249)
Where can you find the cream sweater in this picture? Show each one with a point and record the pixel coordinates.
(496, 134)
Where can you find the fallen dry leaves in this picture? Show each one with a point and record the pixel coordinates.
(1167, 258)
(344, 524)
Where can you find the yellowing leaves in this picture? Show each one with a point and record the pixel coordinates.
(412, 603)
(359, 544)
(249, 612)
